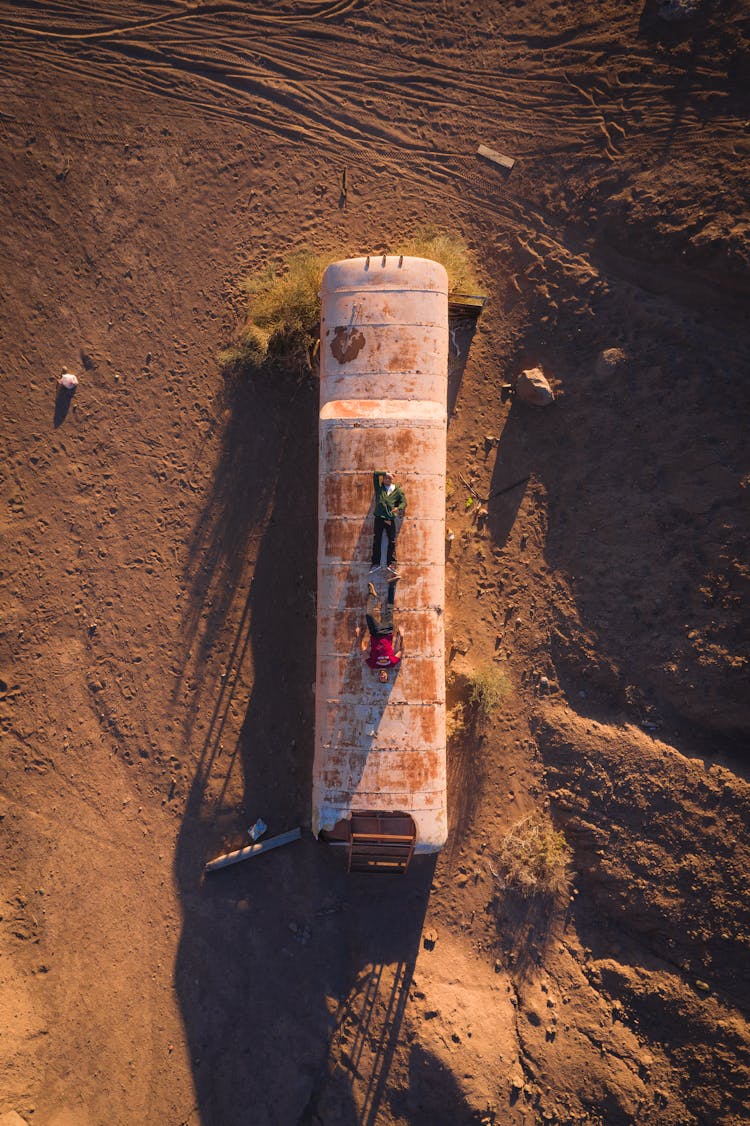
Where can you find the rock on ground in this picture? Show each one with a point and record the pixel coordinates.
(533, 388)
(675, 10)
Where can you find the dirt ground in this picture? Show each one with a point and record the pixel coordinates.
(157, 571)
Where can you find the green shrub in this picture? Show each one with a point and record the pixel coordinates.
(450, 251)
(488, 686)
(534, 859)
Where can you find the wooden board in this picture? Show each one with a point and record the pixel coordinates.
(253, 850)
(495, 157)
(465, 305)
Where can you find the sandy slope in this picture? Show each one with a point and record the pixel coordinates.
(158, 562)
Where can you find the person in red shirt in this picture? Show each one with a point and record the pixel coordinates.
(383, 654)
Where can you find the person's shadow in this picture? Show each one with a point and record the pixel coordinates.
(63, 399)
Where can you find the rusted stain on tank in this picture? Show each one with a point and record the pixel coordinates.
(347, 343)
(431, 802)
(348, 439)
(347, 492)
(399, 724)
(341, 537)
(382, 403)
(337, 633)
(405, 358)
(423, 677)
(402, 770)
(402, 443)
(370, 775)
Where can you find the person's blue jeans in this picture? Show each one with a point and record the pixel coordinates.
(385, 626)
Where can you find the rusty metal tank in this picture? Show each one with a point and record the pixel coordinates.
(383, 393)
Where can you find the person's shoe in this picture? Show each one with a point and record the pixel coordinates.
(371, 590)
(392, 572)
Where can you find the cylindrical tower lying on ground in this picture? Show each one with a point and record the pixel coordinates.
(380, 747)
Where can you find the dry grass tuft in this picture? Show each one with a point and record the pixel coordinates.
(450, 251)
(455, 722)
(534, 859)
(283, 315)
(488, 687)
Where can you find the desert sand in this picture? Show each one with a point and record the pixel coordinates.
(157, 569)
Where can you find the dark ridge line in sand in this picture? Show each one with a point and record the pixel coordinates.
(562, 122)
(614, 150)
(458, 77)
(271, 121)
(326, 11)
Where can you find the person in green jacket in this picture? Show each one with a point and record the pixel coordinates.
(390, 506)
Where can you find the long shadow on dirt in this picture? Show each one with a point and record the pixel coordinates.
(639, 463)
(292, 977)
(461, 331)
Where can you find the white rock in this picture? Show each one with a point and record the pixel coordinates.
(533, 388)
(69, 381)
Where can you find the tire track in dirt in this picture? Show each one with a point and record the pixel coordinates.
(257, 82)
(421, 168)
(317, 11)
(540, 107)
(460, 179)
(299, 104)
(262, 106)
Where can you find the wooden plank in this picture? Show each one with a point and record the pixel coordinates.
(253, 850)
(465, 305)
(380, 838)
(467, 300)
(495, 157)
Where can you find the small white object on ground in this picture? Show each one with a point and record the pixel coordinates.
(256, 831)
(68, 381)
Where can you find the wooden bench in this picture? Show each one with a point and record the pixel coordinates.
(381, 842)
